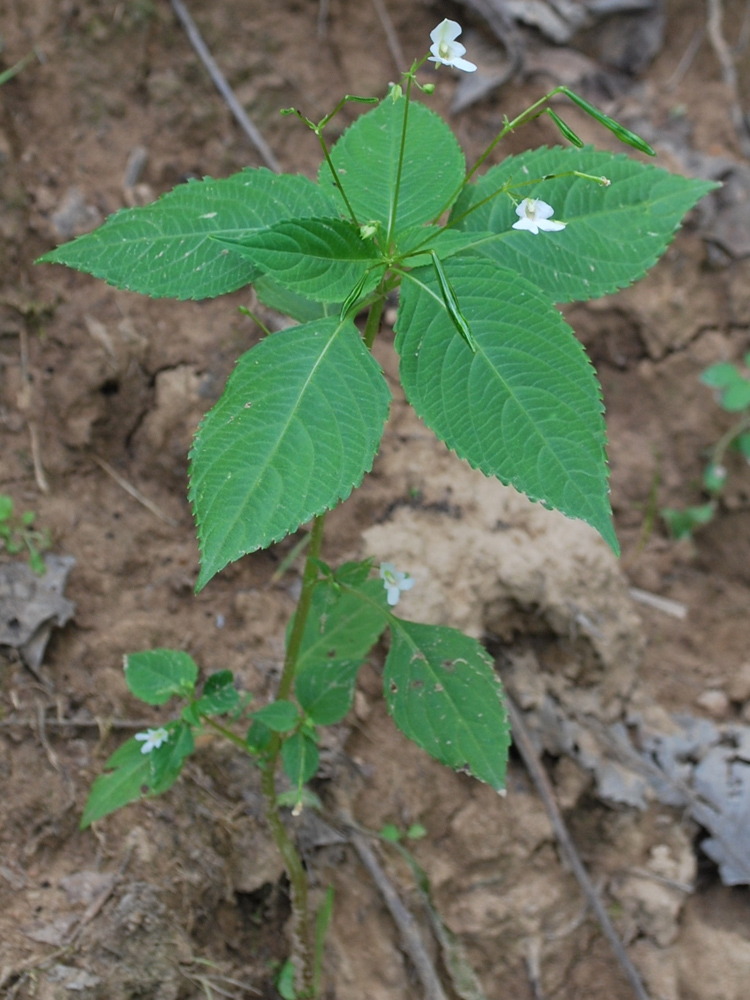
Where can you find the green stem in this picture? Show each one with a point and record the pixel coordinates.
(528, 114)
(373, 320)
(397, 187)
(717, 452)
(336, 179)
(226, 733)
(304, 929)
(309, 579)
(304, 938)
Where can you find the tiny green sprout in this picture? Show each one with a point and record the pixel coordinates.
(428, 88)
(397, 92)
(390, 832)
(285, 981)
(17, 533)
(732, 392)
(714, 478)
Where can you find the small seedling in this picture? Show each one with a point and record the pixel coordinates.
(732, 392)
(18, 534)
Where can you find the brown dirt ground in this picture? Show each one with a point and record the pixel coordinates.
(102, 375)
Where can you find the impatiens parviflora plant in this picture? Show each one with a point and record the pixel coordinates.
(732, 392)
(486, 360)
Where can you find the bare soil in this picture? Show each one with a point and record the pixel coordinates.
(183, 895)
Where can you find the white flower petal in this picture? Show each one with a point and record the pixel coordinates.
(464, 64)
(550, 225)
(446, 31)
(542, 210)
(526, 224)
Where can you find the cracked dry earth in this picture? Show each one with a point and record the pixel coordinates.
(183, 895)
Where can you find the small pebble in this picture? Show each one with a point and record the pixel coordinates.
(714, 701)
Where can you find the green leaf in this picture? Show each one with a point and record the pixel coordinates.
(131, 775)
(322, 259)
(681, 523)
(390, 832)
(613, 234)
(219, 694)
(167, 760)
(295, 431)
(354, 573)
(285, 981)
(280, 716)
(258, 737)
(299, 797)
(342, 625)
(299, 758)
(366, 162)
(127, 781)
(742, 444)
(6, 507)
(167, 248)
(289, 303)
(441, 689)
(736, 397)
(158, 674)
(421, 241)
(720, 376)
(526, 407)
(326, 690)
(714, 478)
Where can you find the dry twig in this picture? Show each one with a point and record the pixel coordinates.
(394, 45)
(530, 757)
(133, 492)
(36, 458)
(728, 72)
(220, 82)
(411, 939)
(100, 724)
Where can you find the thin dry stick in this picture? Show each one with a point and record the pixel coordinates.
(134, 493)
(322, 18)
(407, 926)
(394, 45)
(728, 71)
(220, 82)
(36, 458)
(79, 723)
(40, 720)
(686, 60)
(526, 749)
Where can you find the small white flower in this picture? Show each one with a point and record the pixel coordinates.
(395, 582)
(153, 739)
(534, 214)
(446, 51)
